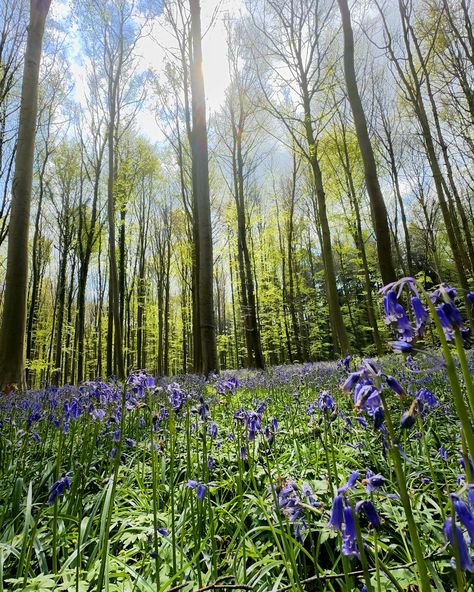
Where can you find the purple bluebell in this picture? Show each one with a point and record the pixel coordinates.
(470, 297)
(466, 563)
(337, 513)
(443, 453)
(464, 514)
(349, 539)
(405, 330)
(163, 531)
(368, 508)
(58, 488)
(351, 381)
(445, 323)
(372, 481)
(309, 494)
(409, 417)
(351, 481)
(390, 306)
(378, 416)
(130, 442)
(426, 399)
(400, 346)
(421, 315)
(212, 429)
(395, 385)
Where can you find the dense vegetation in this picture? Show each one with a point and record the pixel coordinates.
(328, 177)
(321, 210)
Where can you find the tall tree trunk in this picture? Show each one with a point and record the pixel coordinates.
(377, 204)
(12, 332)
(201, 175)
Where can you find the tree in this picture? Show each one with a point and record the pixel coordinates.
(377, 204)
(200, 160)
(12, 332)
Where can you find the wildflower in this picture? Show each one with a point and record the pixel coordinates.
(390, 307)
(163, 531)
(349, 544)
(443, 453)
(351, 481)
(426, 397)
(130, 442)
(309, 494)
(421, 314)
(176, 396)
(213, 430)
(400, 346)
(466, 563)
(370, 512)
(325, 401)
(395, 385)
(470, 297)
(378, 416)
(337, 512)
(351, 381)
(405, 330)
(58, 488)
(372, 481)
(445, 323)
(464, 514)
(199, 487)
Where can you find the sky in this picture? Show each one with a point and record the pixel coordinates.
(215, 70)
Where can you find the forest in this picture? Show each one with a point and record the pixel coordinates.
(236, 295)
(338, 159)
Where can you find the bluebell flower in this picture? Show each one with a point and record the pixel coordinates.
(176, 396)
(464, 514)
(373, 481)
(421, 315)
(470, 297)
(351, 381)
(213, 430)
(309, 494)
(337, 512)
(199, 487)
(351, 481)
(58, 488)
(400, 346)
(390, 306)
(405, 330)
(395, 385)
(445, 323)
(466, 563)
(379, 415)
(163, 531)
(443, 453)
(130, 442)
(426, 398)
(368, 508)
(349, 539)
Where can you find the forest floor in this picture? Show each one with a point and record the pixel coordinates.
(273, 480)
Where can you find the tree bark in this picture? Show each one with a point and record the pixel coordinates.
(199, 151)
(377, 204)
(12, 332)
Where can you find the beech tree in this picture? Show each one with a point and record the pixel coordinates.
(12, 331)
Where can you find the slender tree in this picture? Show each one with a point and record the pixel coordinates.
(12, 332)
(200, 161)
(377, 204)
